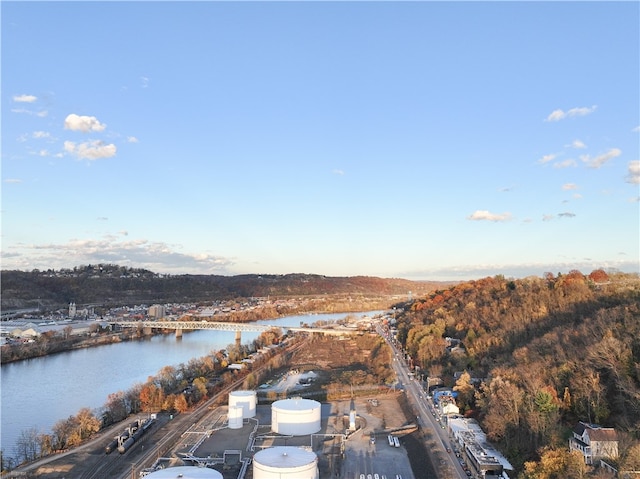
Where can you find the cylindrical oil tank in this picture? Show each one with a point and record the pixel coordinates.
(296, 417)
(246, 399)
(285, 462)
(124, 447)
(235, 417)
(185, 472)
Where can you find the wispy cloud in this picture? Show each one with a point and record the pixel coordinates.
(12, 180)
(90, 150)
(484, 215)
(83, 123)
(557, 115)
(41, 113)
(569, 186)
(338, 172)
(600, 160)
(547, 158)
(566, 214)
(38, 135)
(568, 163)
(522, 270)
(155, 256)
(25, 98)
(633, 172)
(577, 144)
(132, 139)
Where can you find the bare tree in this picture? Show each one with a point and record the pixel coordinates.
(27, 445)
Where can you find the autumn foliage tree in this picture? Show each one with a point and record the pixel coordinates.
(551, 351)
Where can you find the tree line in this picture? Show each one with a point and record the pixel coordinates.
(174, 389)
(111, 285)
(538, 355)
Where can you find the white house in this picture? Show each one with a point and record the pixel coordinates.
(594, 442)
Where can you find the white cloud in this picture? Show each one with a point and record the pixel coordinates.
(338, 172)
(569, 186)
(13, 180)
(40, 114)
(25, 98)
(83, 123)
(144, 82)
(547, 217)
(636, 129)
(547, 158)
(90, 150)
(566, 214)
(633, 172)
(558, 115)
(155, 256)
(41, 134)
(484, 215)
(565, 163)
(577, 144)
(132, 139)
(598, 161)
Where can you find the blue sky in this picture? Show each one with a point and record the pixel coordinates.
(423, 140)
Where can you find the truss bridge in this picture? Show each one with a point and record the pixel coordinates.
(180, 326)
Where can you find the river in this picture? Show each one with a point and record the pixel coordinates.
(37, 393)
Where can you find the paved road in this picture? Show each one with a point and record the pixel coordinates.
(422, 405)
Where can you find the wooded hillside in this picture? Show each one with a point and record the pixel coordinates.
(548, 352)
(116, 285)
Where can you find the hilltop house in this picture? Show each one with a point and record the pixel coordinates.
(594, 442)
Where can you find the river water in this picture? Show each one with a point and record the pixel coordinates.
(37, 393)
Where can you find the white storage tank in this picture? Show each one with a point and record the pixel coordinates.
(185, 472)
(246, 399)
(285, 462)
(235, 417)
(295, 417)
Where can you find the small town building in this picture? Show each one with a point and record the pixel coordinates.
(594, 442)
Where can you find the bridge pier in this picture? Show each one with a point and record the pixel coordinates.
(178, 333)
(238, 338)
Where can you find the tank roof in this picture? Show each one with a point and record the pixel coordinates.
(185, 472)
(242, 393)
(285, 456)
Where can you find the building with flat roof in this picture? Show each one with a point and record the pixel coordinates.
(481, 456)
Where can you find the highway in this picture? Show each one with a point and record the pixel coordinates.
(446, 462)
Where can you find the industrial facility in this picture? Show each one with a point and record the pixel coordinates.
(270, 440)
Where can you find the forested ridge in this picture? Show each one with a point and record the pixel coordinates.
(539, 355)
(118, 285)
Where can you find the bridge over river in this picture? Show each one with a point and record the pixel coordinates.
(180, 326)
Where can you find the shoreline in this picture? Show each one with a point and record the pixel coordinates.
(38, 349)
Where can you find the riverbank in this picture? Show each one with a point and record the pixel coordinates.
(41, 347)
(49, 343)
